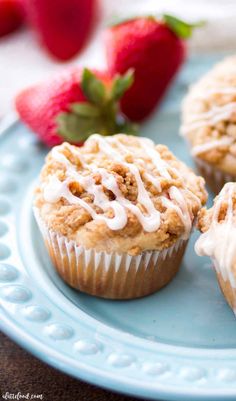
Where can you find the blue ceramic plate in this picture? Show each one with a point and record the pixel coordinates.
(178, 344)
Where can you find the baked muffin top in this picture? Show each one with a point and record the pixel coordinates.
(118, 193)
(209, 116)
(218, 225)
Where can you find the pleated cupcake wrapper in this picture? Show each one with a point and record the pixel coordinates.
(214, 177)
(227, 287)
(110, 275)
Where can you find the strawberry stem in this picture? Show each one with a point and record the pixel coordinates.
(100, 112)
(181, 28)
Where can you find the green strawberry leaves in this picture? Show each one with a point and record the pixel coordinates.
(93, 88)
(85, 109)
(181, 28)
(75, 129)
(121, 84)
(100, 113)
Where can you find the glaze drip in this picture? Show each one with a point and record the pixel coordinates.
(208, 118)
(210, 91)
(204, 147)
(148, 216)
(219, 241)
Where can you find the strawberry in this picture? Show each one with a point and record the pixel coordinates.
(63, 26)
(11, 16)
(74, 105)
(155, 49)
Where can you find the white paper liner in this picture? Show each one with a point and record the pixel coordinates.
(111, 275)
(228, 291)
(214, 177)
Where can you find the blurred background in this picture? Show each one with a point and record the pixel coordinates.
(23, 61)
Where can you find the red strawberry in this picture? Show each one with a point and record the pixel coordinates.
(11, 16)
(155, 50)
(63, 26)
(74, 105)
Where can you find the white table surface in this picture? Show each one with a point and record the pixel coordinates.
(23, 62)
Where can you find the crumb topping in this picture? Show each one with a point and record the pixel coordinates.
(119, 193)
(218, 239)
(224, 203)
(209, 116)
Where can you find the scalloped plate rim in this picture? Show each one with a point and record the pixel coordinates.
(129, 385)
(113, 384)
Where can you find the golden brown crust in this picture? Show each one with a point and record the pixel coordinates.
(74, 222)
(203, 97)
(205, 216)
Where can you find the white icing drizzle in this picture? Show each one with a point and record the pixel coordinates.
(156, 159)
(177, 195)
(154, 181)
(219, 241)
(211, 117)
(204, 147)
(151, 219)
(217, 90)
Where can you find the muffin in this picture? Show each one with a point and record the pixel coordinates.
(218, 240)
(116, 214)
(209, 124)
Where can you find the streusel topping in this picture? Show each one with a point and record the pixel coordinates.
(209, 116)
(218, 240)
(119, 193)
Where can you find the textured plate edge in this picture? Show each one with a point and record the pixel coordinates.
(165, 348)
(131, 386)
